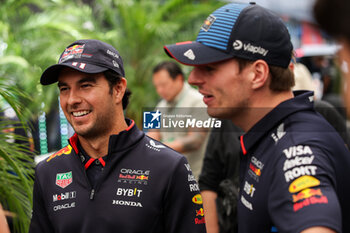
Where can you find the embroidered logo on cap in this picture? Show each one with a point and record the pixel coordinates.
(208, 22)
(237, 45)
(74, 51)
(190, 54)
(115, 64)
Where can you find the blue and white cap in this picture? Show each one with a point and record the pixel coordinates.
(246, 31)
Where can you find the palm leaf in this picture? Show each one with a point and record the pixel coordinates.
(16, 177)
(16, 163)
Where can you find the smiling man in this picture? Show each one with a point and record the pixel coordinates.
(111, 177)
(293, 165)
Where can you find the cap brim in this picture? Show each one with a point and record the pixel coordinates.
(50, 75)
(193, 53)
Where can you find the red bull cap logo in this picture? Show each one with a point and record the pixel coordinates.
(74, 51)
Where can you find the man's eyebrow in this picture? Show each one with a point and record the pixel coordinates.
(60, 84)
(87, 79)
(82, 80)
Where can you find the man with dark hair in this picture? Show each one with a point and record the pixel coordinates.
(333, 16)
(111, 177)
(179, 97)
(294, 165)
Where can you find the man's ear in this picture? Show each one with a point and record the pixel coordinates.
(261, 73)
(119, 89)
(180, 78)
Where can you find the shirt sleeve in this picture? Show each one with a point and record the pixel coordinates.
(302, 193)
(40, 222)
(183, 209)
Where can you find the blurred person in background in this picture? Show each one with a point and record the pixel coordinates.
(302, 77)
(179, 97)
(303, 81)
(333, 16)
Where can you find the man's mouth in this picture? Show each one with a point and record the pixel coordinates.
(80, 113)
(208, 96)
(205, 94)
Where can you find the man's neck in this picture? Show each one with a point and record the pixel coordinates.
(177, 97)
(259, 108)
(97, 147)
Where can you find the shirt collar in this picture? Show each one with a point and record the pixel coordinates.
(117, 142)
(303, 100)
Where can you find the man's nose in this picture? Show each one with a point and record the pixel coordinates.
(74, 98)
(195, 78)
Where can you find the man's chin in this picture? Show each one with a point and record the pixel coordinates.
(220, 113)
(82, 131)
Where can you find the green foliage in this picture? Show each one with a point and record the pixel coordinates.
(16, 181)
(16, 163)
(33, 33)
(140, 29)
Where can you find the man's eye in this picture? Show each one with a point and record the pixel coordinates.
(208, 68)
(63, 89)
(86, 85)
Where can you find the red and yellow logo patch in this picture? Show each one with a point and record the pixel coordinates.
(65, 150)
(197, 199)
(303, 183)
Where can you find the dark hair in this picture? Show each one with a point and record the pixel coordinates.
(333, 16)
(281, 79)
(173, 69)
(113, 78)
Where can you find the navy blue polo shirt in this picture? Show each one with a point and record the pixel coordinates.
(293, 172)
(141, 185)
(93, 167)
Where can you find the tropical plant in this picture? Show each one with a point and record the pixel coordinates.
(16, 162)
(34, 33)
(139, 29)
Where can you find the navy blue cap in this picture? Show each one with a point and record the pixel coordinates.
(246, 31)
(88, 56)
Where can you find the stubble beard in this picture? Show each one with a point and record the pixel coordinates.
(235, 114)
(97, 129)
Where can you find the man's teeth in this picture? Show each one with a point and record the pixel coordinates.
(81, 113)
